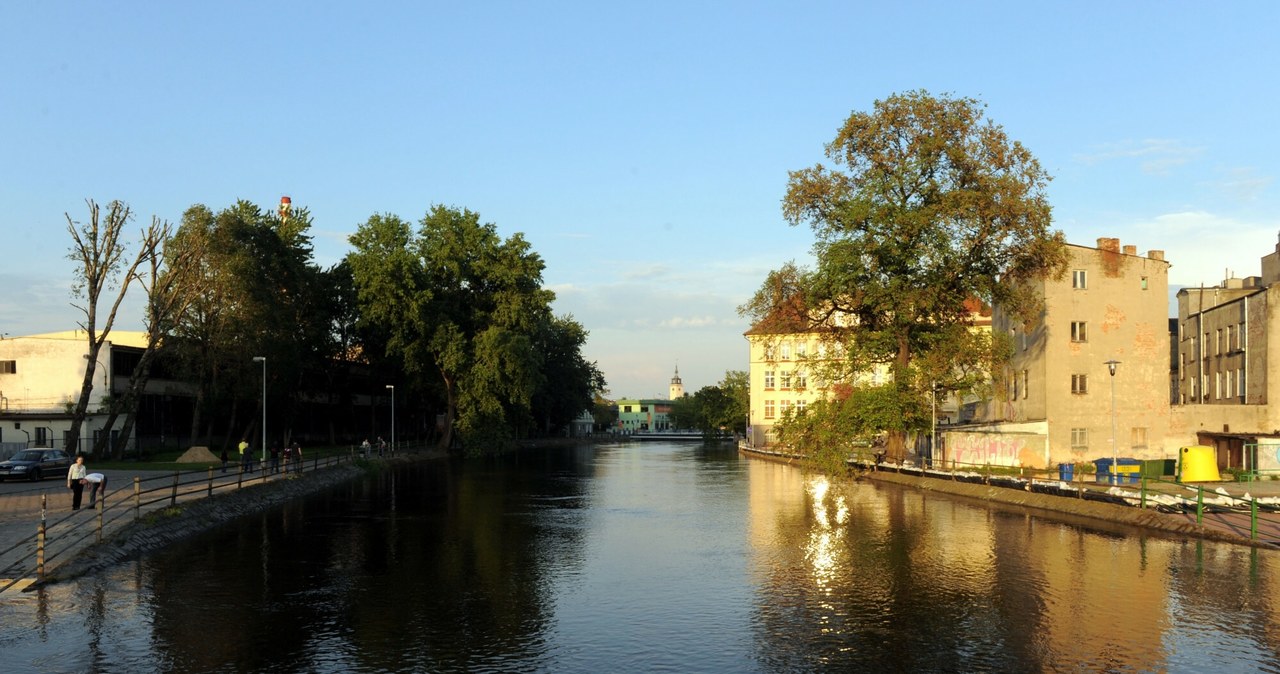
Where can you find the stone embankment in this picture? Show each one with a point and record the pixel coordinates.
(164, 526)
(1225, 527)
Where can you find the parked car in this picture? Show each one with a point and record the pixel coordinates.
(35, 464)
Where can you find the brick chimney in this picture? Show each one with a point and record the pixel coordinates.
(1109, 245)
(1155, 254)
(1130, 250)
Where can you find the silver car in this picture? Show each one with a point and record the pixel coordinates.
(35, 464)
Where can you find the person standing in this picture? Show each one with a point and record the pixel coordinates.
(75, 481)
(96, 481)
(246, 457)
(297, 456)
(275, 458)
(365, 447)
(224, 458)
(288, 455)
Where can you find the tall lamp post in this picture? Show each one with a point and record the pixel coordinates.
(1115, 468)
(263, 360)
(393, 417)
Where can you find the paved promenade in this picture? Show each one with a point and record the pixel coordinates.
(24, 506)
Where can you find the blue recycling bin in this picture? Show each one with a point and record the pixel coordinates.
(1128, 471)
(1066, 472)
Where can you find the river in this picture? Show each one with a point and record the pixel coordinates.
(654, 557)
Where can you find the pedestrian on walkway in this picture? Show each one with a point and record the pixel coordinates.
(365, 447)
(275, 457)
(224, 458)
(75, 481)
(382, 447)
(246, 457)
(96, 481)
(288, 455)
(297, 455)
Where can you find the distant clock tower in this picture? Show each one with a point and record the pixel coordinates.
(677, 389)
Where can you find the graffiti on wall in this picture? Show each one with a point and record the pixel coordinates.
(996, 449)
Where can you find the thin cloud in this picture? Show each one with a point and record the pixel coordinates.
(1157, 155)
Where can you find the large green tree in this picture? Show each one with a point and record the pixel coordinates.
(260, 296)
(462, 305)
(929, 209)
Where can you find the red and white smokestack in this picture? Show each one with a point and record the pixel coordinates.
(286, 206)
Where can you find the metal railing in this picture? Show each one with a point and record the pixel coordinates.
(1163, 493)
(56, 537)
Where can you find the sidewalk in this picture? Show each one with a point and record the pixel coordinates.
(69, 532)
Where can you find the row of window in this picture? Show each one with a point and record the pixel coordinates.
(1080, 279)
(789, 379)
(771, 411)
(1226, 384)
(1232, 339)
(1080, 438)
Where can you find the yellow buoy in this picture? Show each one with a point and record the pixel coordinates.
(1198, 463)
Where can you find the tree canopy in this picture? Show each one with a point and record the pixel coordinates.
(466, 307)
(930, 214)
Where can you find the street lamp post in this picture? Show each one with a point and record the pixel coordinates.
(1115, 467)
(263, 360)
(393, 417)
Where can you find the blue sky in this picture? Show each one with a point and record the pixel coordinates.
(642, 148)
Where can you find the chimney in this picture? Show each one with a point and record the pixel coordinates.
(1155, 254)
(1109, 245)
(1130, 250)
(286, 207)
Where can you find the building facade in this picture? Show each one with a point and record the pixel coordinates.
(1226, 338)
(1091, 371)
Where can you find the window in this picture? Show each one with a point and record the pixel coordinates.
(1138, 438)
(1026, 376)
(1241, 345)
(786, 351)
(8, 367)
(801, 406)
(802, 380)
(1079, 439)
(786, 406)
(786, 381)
(1240, 382)
(770, 351)
(1144, 283)
(802, 349)
(1232, 344)
(1231, 384)
(768, 379)
(1204, 388)
(1079, 331)
(1014, 389)
(1217, 385)
(1079, 279)
(1217, 344)
(1080, 384)
(768, 409)
(626, 408)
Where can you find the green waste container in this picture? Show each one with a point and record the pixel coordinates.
(1158, 468)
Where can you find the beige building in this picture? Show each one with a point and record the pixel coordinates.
(1224, 351)
(1054, 402)
(40, 380)
(785, 374)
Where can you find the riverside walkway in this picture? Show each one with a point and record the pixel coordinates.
(1238, 512)
(39, 532)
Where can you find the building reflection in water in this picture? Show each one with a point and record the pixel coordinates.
(868, 575)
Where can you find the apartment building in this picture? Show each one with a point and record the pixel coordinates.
(1093, 370)
(1224, 339)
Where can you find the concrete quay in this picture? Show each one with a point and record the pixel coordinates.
(168, 509)
(1225, 517)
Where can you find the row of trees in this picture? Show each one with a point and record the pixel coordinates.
(716, 409)
(448, 312)
(932, 212)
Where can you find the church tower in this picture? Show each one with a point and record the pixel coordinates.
(677, 389)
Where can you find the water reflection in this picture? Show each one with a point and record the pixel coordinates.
(652, 558)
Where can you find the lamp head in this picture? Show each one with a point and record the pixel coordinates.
(259, 359)
(1111, 366)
